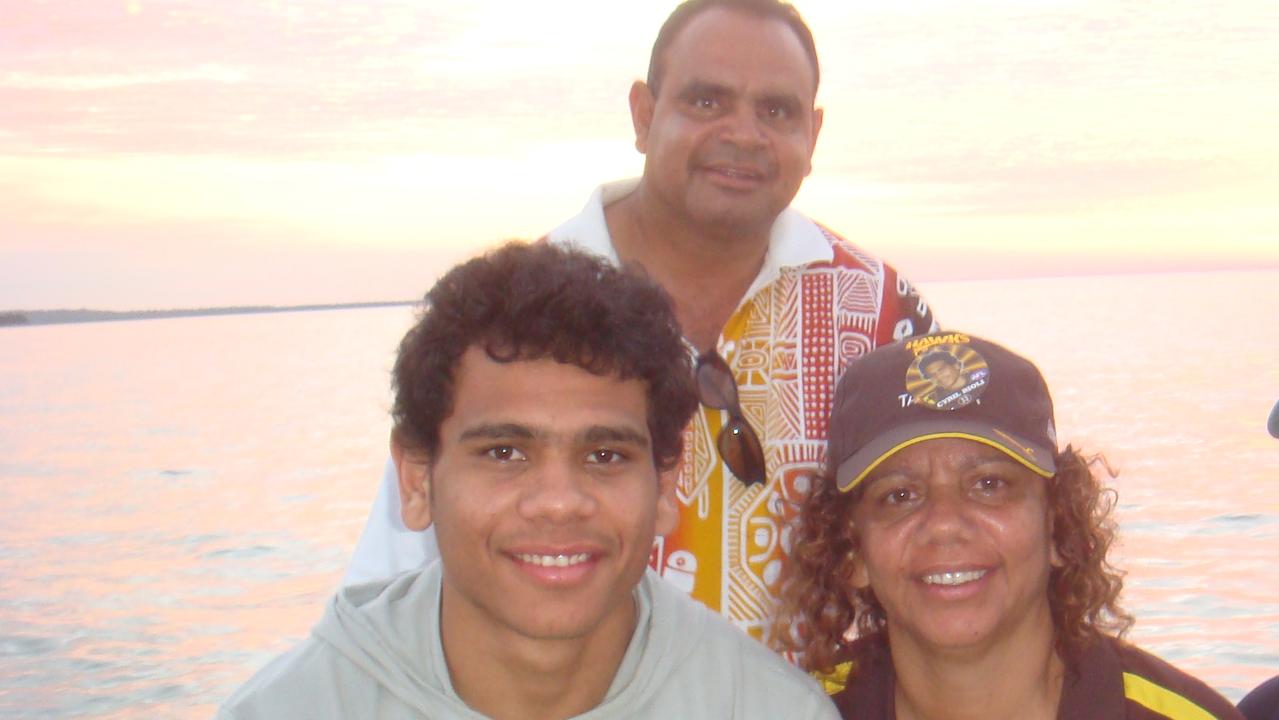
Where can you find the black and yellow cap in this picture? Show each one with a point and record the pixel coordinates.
(948, 384)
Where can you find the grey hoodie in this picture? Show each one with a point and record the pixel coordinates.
(377, 655)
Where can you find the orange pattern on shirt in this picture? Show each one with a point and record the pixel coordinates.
(787, 346)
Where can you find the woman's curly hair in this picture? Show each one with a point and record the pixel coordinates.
(821, 612)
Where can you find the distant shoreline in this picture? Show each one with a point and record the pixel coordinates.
(27, 318)
(22, 318)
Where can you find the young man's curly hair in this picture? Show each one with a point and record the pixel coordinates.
(819, 603)
(530, 301)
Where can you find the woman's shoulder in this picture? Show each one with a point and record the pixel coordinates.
(862, 682)
(1154, 688)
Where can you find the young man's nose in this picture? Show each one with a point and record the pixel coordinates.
(557, 492)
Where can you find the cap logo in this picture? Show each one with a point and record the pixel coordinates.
(947, 373)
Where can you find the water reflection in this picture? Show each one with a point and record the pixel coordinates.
(180, 496)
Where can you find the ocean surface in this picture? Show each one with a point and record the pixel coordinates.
(178, 497)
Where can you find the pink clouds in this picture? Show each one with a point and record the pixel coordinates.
(265, 79)
(953, 133)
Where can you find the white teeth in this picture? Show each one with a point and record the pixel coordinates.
(554, 560)
(953, 578)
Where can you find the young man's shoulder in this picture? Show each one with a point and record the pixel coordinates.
(716, 670)
(357, 662)
(309, 681)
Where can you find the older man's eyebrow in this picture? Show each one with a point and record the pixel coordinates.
(705, 88)
(788, 100)
(498, 431)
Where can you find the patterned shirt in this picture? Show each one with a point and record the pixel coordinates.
(817, 303)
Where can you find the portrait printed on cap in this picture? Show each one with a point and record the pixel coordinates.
(947, 376)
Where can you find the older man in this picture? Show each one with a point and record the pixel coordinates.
(775, 304)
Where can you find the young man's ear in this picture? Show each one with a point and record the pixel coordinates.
(414, 470)
(642, 102)
(667, 518)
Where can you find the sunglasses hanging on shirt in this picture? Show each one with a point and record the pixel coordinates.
(738, 444)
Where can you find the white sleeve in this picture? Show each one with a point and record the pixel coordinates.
(386, 547)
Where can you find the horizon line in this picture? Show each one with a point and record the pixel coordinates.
(60, 316)
(31, 318)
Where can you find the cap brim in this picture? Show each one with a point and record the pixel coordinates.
(852, 471)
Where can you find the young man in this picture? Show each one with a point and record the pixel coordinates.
(540, 403)
(727, 122)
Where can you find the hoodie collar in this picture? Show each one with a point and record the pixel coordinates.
(390, 630)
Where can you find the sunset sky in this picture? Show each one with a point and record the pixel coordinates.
(180, 153)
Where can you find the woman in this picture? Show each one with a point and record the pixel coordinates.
(953, 565)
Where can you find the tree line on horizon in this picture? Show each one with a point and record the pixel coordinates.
(56, 317)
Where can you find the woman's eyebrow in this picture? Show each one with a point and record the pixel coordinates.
(998, 458)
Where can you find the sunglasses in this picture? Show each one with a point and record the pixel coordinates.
(737, 442)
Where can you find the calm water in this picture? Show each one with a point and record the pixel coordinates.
(180, 496)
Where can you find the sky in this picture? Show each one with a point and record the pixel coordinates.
(187, 153)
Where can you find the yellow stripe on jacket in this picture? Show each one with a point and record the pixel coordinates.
(1157, 698)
